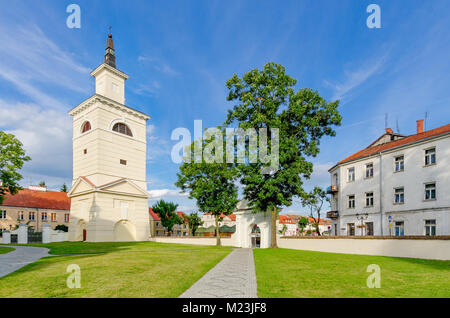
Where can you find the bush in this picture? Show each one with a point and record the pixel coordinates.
(61, 227)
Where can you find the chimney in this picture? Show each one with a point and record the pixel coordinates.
(420, 126)
(389, 131)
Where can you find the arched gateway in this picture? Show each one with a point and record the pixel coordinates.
(252, 229)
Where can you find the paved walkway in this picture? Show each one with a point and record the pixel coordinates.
(233, 277)
(23, 255)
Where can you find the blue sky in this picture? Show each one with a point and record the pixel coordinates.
(179, 55)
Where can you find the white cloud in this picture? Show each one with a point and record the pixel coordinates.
(158, 65)
(47, 138)
(156, 194)
(356, 77)
(30, 59)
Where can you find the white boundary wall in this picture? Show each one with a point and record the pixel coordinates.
(426, 249)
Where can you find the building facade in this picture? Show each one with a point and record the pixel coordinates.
(157, 229)
(396, 186)
(109, 192)
(34, 206)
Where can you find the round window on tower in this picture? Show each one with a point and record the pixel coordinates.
(85, 127)
(122, 129)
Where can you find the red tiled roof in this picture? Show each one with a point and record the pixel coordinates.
(153, 215)
(401, 142)
(157, 218)
(285, 219)
(297, 217)
(27, 198)
(231, 216)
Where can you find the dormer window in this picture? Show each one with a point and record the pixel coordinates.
(122, 129)
(86, 127)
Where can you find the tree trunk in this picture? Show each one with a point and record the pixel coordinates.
(217, 231)
(273, 230)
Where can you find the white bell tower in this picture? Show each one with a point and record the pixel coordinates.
(109, 193)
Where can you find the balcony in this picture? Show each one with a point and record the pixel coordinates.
(332, 189)
(332, 214)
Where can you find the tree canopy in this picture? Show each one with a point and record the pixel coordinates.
(267, 99)
(211, 184)
(167, 214)
(12, 158)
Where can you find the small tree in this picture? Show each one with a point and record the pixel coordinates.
(194, 222)
(166, 212)
(61, 227)
(42, 184)
(63, 188)
(315, 200)
(302, 224)
(12, 158)
(212, 184)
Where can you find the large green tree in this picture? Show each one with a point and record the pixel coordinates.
(211, 184)
(167, 214)
(12, 158)
(314, 200)
(194, 222)
(267, 98)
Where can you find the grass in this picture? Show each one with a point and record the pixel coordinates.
(4, 249)
(293, 273)
(135, 269)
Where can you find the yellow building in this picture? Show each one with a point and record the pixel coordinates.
(109, 192)
(34, 206)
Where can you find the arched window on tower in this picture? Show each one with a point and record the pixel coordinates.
(123, 129)
(86, 127)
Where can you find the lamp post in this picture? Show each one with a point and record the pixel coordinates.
(362, 217)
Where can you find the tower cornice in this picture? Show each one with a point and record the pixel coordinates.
(105, 100)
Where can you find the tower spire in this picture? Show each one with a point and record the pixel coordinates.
(110, 57)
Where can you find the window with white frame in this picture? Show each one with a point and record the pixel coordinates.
(430, 191)
(53, 217)
(430, 156)
(31, 216)
(430, 227)
(399, 228)
(66, 217)
(369, 199)
(3, 214)
(399, 195)
(44, 216)
(351, 201)
(21, 216)
(399, 163)
(369, 170)
(351, 174)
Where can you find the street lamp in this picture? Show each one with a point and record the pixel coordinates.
(362, 217)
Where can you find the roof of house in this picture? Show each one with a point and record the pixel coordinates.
(297, 217)
(155, 216)
(285, 219)
(27, 198)
(371, 150)
(231, 216)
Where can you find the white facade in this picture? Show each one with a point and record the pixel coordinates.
(388, 217)
(209, 220)
(109, 192)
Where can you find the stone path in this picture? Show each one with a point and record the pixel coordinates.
(233, 277)
(23, 255)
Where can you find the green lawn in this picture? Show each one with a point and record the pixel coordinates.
(137, 269)
(4, 249)
(293, 273)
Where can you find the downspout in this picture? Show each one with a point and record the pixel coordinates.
(381, 194)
